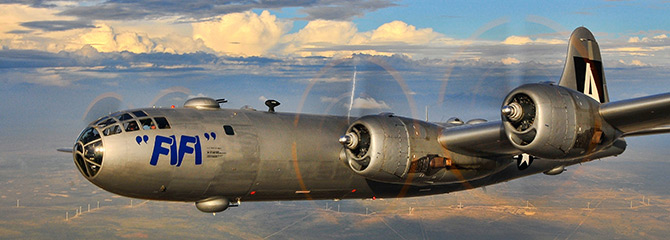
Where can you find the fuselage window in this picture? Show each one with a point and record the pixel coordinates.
(228, 129)
(139, 114)
(125, 117)
(131, 126)
(147, 124)
(116, 129)
(162, 123)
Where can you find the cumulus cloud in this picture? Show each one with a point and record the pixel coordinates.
(329, 99)
(634, 62)
(245, 34)
(319, 33)
(105, 38)
(636, 51)
(517, 40)
(326, 31)
(523, 40)
(656, 38)
(369, 103)
(44, 29)
(197, 95)
(510, 60)
(228, 29)
(662, 36)
(398, 31)
(340, 38)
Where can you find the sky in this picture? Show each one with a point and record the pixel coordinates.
(443, 59)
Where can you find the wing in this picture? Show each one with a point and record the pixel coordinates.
(483, 140)
(639, 116)
(570, 120)
(632, 117)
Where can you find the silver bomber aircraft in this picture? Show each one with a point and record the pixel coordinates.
(218, 158)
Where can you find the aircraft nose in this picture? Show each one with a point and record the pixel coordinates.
(88, 152)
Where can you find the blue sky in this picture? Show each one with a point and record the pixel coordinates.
(56, 57)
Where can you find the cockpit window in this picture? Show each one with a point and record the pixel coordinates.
(131, 126)
(89, 151)
(107, 122)
(162, 123)
(89, 135)
(93, 152)
(147, 124)
(116, 114)
(100, 120)
(139, 114)
(116, 129)
(125, 116)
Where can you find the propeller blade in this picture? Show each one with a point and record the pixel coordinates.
(102, 105)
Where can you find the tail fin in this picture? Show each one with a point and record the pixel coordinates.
(583, 66)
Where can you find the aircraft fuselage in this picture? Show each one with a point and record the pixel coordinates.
(251, 156)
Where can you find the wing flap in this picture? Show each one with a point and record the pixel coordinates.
(638, 114)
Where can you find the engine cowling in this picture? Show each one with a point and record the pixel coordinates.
(385, 147)
(377, 147)
(554, 122)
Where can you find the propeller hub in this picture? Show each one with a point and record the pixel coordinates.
(513, 111)
(349, 140)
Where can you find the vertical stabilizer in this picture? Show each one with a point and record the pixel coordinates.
(583, 66)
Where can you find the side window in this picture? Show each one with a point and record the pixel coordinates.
(147, 124)
(131, 126)
(162, 123)
(229, 130)
(116, 129)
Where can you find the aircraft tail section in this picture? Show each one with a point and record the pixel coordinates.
(583, 70)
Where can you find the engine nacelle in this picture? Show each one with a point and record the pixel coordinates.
(554, 122)
(384, 147)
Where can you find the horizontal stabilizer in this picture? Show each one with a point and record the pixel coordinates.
(65, 150)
